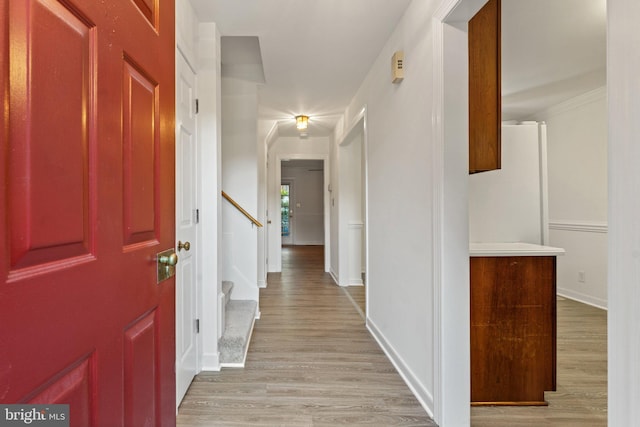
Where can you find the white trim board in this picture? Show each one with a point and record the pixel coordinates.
(579, 226)
(582, 298)
(450, 223)
(573, 103)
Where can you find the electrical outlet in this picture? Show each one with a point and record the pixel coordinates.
(581, 276)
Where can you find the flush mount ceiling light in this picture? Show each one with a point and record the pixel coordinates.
(302, 122)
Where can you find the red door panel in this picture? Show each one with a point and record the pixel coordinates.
(72, 387)
(141, 144)
(47, 229)
(87, 188)
(140, 372)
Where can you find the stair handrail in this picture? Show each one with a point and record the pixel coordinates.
(244, 212)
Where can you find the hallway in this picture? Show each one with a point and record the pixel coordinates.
(311, 362)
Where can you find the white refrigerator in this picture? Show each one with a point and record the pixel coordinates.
(510, 204)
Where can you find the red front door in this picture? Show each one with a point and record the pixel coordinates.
(87, 184)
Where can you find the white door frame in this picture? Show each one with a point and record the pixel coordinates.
(209, 184)
(186, 369)
(275, 192)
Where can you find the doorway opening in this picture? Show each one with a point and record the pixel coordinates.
(308, 179)
(302, 202)
(351, 213)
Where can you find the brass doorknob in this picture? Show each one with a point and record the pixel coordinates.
(171, 259)
(186, 246)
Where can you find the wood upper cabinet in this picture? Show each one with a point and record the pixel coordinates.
(485, 107)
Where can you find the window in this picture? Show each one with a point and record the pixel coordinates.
(284, 209)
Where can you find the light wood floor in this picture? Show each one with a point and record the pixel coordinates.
(311, 363)
(581, 398)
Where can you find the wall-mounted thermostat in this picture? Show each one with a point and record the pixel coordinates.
(397, 67)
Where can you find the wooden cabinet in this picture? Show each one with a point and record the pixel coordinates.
(513, 329)
(485, 106)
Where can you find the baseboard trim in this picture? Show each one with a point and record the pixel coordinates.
(232, 365)
(334, 277)
(419, 391)
(211, 362)
(582, 298)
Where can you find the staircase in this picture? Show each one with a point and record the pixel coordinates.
(238, 317)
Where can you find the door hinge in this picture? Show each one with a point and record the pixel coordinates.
(196, 216)
(197, 326)
(197, 105)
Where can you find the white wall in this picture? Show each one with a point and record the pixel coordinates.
(577, 159)
(292, 148)
(417, 205)
(308, 211)
(399, 278)
(240, 181)
(623, 93)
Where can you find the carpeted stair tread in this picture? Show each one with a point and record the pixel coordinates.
(227, 286)
(239, 318)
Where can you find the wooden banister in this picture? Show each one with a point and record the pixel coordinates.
(244, 212)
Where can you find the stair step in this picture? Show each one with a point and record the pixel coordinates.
(239, 319)
(227, 286)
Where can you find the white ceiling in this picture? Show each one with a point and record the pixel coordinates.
(552, 50)
(316, 53)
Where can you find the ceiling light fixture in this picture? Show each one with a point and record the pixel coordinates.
(302, 122)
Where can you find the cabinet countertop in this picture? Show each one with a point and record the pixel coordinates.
(492, 249)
